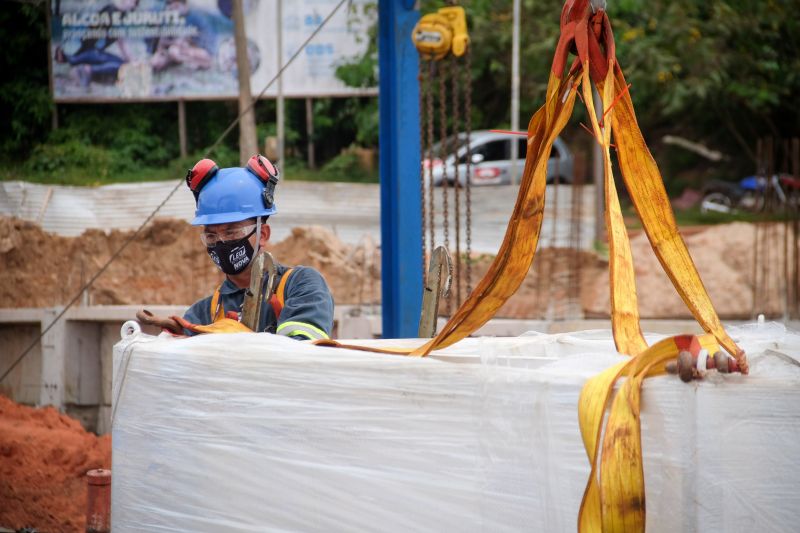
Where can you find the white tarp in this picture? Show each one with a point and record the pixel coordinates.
(262, 433)
(349, 209)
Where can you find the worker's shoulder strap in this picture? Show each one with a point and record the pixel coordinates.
(278, 298)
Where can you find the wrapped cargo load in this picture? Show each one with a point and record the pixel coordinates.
(256, 432)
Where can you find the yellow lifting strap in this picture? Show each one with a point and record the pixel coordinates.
(580, 29)
(614, 497)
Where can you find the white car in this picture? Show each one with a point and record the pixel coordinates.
(491, 159)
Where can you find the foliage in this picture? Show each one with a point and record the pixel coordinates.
(724, 72)
(718, 72)
(52, 158)
(25, 106)
(362, 72)
(347, 167)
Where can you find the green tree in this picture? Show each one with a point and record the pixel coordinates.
(25, 104)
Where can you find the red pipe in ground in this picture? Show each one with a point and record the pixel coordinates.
(98, 501)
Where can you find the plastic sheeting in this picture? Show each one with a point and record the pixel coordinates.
(256, 432)
(350, 210)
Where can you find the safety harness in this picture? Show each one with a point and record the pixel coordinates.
(276, 300)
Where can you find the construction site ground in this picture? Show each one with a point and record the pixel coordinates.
(44, 455)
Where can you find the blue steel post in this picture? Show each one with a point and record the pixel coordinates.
(401, 233)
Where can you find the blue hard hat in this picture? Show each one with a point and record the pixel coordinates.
(232, 195)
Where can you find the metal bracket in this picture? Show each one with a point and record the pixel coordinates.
(263, 275)
(436, 286)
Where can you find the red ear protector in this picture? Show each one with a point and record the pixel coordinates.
(200, 174)
(268, 173)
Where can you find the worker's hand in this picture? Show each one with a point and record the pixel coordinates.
(170, 325)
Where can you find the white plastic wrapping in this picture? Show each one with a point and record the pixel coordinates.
(256, 432)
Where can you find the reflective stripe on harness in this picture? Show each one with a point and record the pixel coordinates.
(295, 329)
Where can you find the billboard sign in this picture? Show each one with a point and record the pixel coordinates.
(139, 50)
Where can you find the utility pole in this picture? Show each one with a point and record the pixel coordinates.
(280, 117)
(312, 161)
(515, 90)
(182, 127)
(248, 143)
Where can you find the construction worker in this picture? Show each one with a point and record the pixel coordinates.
(233, 206)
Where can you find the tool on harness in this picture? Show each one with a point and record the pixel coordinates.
(262, 275)
(440, 33)
(252, 305)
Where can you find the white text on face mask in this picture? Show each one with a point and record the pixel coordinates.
(238, 257)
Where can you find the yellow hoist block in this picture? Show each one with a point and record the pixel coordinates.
(438, 34)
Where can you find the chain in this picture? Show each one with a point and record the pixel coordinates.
(468, 180)
(429, 155)
(456, 145)
(422, 131)
(443, 157)
(460, 72)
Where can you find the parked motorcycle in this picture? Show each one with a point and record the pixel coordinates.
(751, 194)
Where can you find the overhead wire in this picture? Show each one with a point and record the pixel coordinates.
(208, 151)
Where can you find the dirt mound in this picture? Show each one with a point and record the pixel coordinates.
(352, 272)
(44, 456)
(724, 256)
(553, 289)
(166, 264)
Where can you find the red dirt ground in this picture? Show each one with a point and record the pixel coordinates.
(43, 458)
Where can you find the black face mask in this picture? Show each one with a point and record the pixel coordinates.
(232, 257)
